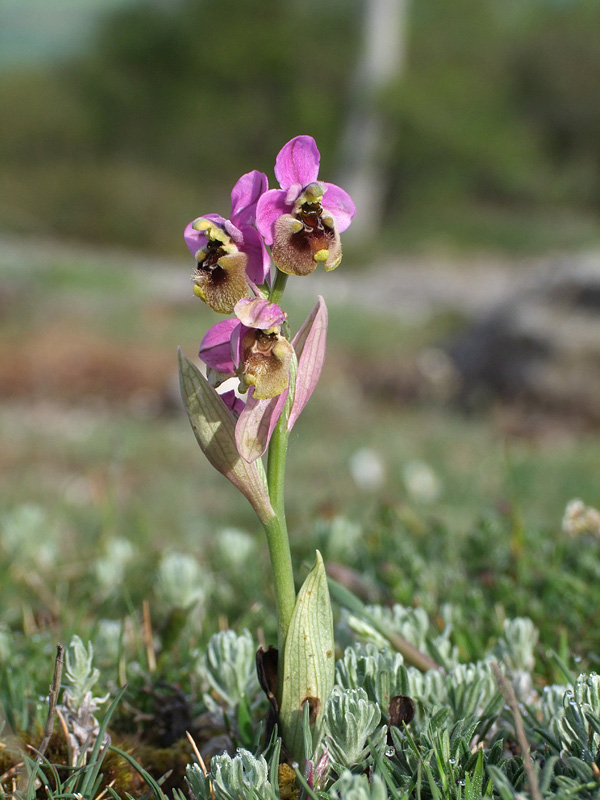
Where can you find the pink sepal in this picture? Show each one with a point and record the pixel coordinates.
(297, 162)
(215, 347)
(271, 206)
(339, 204)
(257, 312)
(309, 344)
(256, 424)
(245, 195)
(259, 263)
(196, 240)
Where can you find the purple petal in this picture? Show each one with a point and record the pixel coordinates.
(237, 338)
(233, 402)
(339, 204)
(256, 424)
(259, 313)
(297, 162)
(196, 240)
(215, 348)
(309, 344)
(270, 207)
(244, 197)
(259, 263)
(293, 193)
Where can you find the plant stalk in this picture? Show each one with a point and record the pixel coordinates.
(276, 527)
(278, 287)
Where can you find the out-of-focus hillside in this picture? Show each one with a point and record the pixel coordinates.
(42, 31)
(489, 134)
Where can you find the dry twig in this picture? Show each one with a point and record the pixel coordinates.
(52, 701)
(507, 691)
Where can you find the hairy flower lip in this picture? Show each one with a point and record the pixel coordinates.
(300, 245)
(221, 280)
(266, 359)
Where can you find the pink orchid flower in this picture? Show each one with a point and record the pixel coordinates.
(302, 221)
(251, 346)
(230, 253)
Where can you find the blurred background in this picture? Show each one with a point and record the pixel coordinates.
(480, 121)
(463, 373)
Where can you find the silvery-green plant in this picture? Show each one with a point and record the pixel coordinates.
(467, 690)
(29, 536)
(181, 581)
(380, 673)
(412, 624)
(515, 649)
(350, 786)
(229, 669)
(340, 536)
(243, 777)
(79, 704)
(111, 567)
(352, 729)
(181, 589)
(108, 640)
(576, 722)
(552, 701)
(236, 547)
(472, 690)
(274, 376)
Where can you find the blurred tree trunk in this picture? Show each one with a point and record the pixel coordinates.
(382, 60)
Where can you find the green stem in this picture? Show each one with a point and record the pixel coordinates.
(283, 576)
(279, 543)
(278, 286)
(276, 527)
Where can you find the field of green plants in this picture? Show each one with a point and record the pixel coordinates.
(118, 541)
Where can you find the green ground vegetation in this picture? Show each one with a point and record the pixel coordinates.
(115, 529)
(491, 134)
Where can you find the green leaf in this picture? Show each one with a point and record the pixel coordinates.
(214, 427)
(474, 785)
(308, 662)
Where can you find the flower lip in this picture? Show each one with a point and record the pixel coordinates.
(264, 361)
(221, 276)
(238, 232)
(251, 345)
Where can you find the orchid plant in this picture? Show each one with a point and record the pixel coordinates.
(235, 275)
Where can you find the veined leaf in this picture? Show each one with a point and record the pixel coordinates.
(308, 662)
(214, 428)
